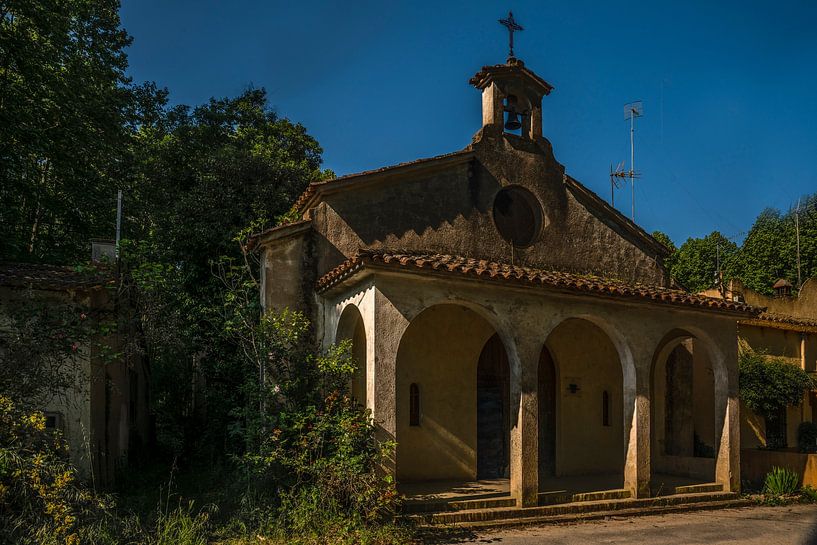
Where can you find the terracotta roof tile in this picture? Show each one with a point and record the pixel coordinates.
(785, 319)
(52, 277)
(491, 270)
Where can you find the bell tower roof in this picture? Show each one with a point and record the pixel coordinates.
(514, 69)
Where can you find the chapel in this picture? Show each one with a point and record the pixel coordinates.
(509, 325)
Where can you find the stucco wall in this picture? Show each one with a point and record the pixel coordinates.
(450, 211)
(584, 356)
(774, 342)
(439, 353)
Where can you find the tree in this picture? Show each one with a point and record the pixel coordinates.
(199, 177)
(64, 106)
(698, 260)
(669, 261)
(769, 385)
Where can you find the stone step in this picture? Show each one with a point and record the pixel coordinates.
(440, 506)
(699, 488)
(577, 510)
(618, 494)
(554, 497)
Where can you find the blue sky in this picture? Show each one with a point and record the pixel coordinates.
(730, 122)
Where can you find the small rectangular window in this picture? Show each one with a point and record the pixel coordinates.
(53, 421)
(414, 405)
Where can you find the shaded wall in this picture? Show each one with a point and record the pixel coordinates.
(439, 352)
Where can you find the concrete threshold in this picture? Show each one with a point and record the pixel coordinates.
(586, 510)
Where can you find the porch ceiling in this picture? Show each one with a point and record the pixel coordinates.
(481, 269)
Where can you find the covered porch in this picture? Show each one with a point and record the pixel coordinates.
(511, 388)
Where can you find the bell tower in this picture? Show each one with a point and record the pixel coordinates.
(511, 94)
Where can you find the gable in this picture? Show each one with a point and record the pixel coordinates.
(448, 207)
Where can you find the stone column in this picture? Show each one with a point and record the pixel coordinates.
(727, 413)
(636, 387)
(493, 110)
(523, 356)
(388, 328)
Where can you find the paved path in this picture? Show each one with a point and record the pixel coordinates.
(790, 525)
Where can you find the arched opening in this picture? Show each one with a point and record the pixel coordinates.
(684, 441)
(351, 327)
(581, 386)
(450, 352)
(493, 411)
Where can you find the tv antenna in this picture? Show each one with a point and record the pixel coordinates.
(632, 110)
(615, 181)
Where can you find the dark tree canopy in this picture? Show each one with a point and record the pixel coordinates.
(64, 102)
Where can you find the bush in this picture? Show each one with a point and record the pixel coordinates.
(807, 437)
(41, 500)
(781, 481)
(809, 494)
(769, 385)
(313, 465)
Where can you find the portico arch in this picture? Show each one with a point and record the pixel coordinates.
(451, 356)
(351, 327)
(688, 391)
(588, 399)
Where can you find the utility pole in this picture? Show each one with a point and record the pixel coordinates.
(118, 220)
(797, 231)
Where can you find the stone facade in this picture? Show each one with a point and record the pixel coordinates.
(493, 258)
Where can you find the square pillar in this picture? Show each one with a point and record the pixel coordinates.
(493, 109)
(637, 470)
(524, 361)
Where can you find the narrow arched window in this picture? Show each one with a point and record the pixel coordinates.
(605, 408)
(414, 405)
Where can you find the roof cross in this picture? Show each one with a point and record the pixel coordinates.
(512, 26)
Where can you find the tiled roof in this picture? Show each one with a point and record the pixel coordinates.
(784, 319)
(490, 270)
(513, 67)
(52, 277)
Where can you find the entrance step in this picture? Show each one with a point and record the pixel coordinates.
(582, 510)
(699, 488)
(457, 505)
(554, 497)
(618, 494)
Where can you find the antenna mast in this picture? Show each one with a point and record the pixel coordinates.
(631, 111)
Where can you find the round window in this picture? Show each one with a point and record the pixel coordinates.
(517, 215)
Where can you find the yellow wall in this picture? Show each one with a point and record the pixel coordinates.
(439, 352)
(584, 355)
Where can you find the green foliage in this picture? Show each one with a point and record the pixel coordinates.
(312, 452)
(41, 500)
(42, 344)
(807, 437)
(65, 110)
(767, 253)
(669, 261)
(696, 261)
(808, 494)
(780, 481)
(768, 385)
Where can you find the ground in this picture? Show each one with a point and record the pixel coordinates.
(790, 525)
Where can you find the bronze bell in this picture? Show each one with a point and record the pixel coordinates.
(512, 123)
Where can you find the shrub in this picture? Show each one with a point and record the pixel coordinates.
(313, 460)
(807, 437)
(781, 481)
(768, 385)
(809, 494)
(41, 500)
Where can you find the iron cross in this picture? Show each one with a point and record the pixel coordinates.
(511, 25)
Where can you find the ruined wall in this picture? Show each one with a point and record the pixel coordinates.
(451, 211)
